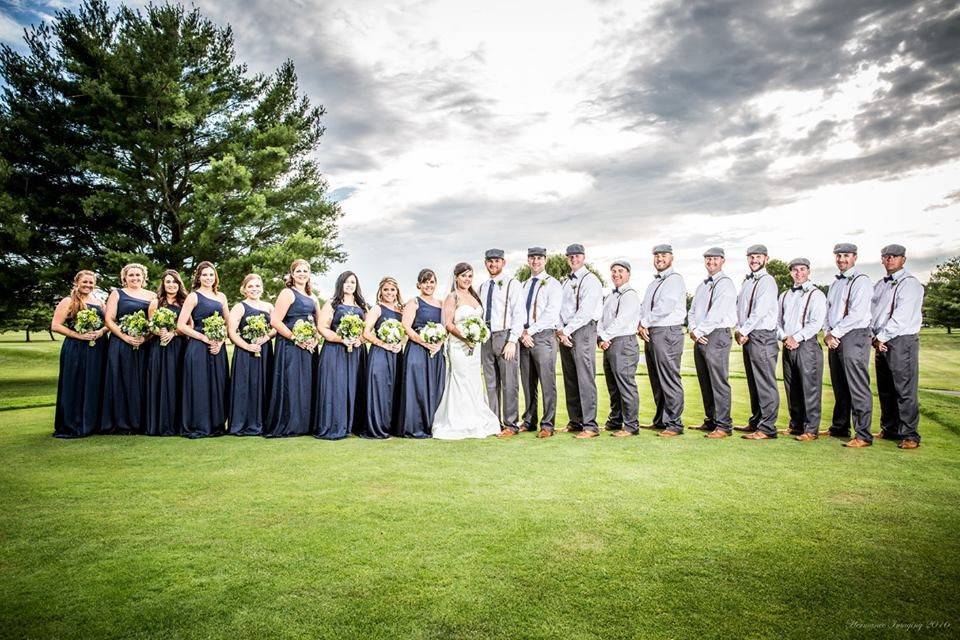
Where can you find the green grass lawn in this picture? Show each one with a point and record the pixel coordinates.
(111, 537)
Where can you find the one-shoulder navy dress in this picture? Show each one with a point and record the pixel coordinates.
(291, 393)
(383, 385)
(79, 385)
(126, 377)
(164, 368)
(423, 380)
(205, 380)
(250, 383)
(340, 390)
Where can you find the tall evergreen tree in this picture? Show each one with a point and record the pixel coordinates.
(941, 302)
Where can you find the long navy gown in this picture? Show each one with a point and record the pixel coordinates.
(423, 380)
(205, 383)
(164, 366)
(383, 385)
(293, 370)
(340, 404)
(250, 383)
(79, 385)
(126, 375)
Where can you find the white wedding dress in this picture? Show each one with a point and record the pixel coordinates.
(463, 411)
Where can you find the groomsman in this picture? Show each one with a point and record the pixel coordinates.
(847, 334)
(897, 304)
(803, 308)
(661, 329)
(757, 334)
(498, 355)
(580, 310)
(712, 315)
(542, 296)
(617, 338)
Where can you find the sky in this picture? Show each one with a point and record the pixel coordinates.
(454, 126)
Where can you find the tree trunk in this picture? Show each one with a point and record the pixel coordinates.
(948, 331)
(28, 335)
(52, 338)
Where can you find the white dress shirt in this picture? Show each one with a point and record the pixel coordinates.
(582, 300)
(802, 312)
(545, 304)
(848, 303)
(665, 300)
(757, 303)
(507, 311)
(714, 305)
(897, 305)
(621, 313)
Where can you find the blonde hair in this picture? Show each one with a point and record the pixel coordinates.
(130, 267)
(288, 279)
(246, 280)
(398, 304)
(76, 302)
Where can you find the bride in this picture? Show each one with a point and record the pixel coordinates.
(463, 411)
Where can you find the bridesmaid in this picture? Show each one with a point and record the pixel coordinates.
(383, 366)
(125, 380)
(423, 375)
(252, 362)
(293, 364)
(81, 365)
(165, 362)
(204, 408)
(339, 402)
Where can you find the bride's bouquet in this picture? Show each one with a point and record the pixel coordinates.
(303, 331)
(391, 331)
(255, 329)
(433, 333)
(215, 328)
(87, 321)
(135, 325)
(475, 331)
(163, 318)
(350, 328)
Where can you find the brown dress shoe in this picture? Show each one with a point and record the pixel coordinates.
(669, 433)
(622, 433)
(717, 434)
(545, 433)
(908, 444)
(746, 429)
(585, 435)
(756, 435)
(857, 443)
(807, 437)
(507, 433)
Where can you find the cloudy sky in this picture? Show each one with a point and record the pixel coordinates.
(455, 126)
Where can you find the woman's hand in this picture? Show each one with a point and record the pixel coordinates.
(434, 349)
(166, 337)
(215, 347)
(253, 347)
(133, 341)
(396, 347)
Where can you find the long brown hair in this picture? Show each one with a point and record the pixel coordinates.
(76, 302)
(196, 276)
(288, 279)
(181, 294)
(461, 268)
(398, 304)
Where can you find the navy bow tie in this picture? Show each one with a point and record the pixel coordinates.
(840, 276)
(573, 276)
(616, 290)
(708, 280)
(887, 278)
(800, 288)
(658, 276)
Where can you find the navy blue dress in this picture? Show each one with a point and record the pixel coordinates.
(164, 366)
(250, 383)
(79, 385)
(383, 385)
(293, 369)
(423, 380)
(340, 401)
(205, 383)
(126, 377)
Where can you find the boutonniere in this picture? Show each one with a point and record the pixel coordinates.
(893, 283)
(541, 283)
(500, 284)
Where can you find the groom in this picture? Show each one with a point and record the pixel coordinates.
(503, 313)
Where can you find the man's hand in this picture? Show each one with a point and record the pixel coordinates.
(742, 339)
(564, 339)
(526, 339)
(880, 346)
(644, 333)
(510, 351)
(832, 342)
(790, 343)
(604, 345)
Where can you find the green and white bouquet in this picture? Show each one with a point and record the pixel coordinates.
(475, 331)
(303, 331)
(433, 333)
(163, 318)
(215, 328)
(135, 325)
(350, 328)
(255, 329)
(391, 331)
(87, 321)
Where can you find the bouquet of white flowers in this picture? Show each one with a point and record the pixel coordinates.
(350, 328)
(135, 325)
(255, 329)
(87, 321)
(215, 328)
(475, 331)
(163, 318)
(391, 331)
(433, 333)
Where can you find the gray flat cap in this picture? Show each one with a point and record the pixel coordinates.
(663, 248)
(575, 249)
(536, 251)
(757, 248)
(799, 262)
(714, 252)
(620, 263)
(493, 253)
(894, 250)
(845, 247)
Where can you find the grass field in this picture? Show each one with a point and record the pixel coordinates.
(111, 537)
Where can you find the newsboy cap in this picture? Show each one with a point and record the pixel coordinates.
(757, 248)
(620, 263)
(663, 248)
(493, 253)
(893, 250)
(845, 247)
(574, 249)
(799, 262)
(714, 252)
(536, 251)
